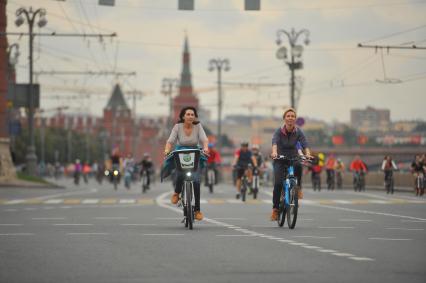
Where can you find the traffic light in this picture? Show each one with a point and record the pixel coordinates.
(186, 5)
(252, 5)
(107, 2)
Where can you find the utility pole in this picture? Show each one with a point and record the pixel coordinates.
(135, 94)
(295, 53)
(219, 65)
(30, 16)
(167, 89)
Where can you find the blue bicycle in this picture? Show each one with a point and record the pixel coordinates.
(288, 199)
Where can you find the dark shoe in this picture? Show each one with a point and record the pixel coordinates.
(237, 196)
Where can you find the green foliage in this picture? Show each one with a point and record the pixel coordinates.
(24, 177)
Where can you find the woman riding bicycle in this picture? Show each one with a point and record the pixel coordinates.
(284, 142)
(187, 133)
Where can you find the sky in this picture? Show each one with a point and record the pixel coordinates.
(337, 75)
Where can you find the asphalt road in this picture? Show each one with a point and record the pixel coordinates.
(92, 233)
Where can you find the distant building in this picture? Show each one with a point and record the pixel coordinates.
(370, 119)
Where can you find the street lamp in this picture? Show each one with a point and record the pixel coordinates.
(219, 65)
(29, 15)
(167, 90)
(296, 52)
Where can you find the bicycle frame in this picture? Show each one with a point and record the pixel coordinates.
(289, 183)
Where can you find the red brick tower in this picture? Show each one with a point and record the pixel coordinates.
(186, 96)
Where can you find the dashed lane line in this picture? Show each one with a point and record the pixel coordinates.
(405, 229)
(389, 239)
(162, 203)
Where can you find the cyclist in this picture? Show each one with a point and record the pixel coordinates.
(340, 170)
(316, 169)
(358, 168)
(285, 141)
(260, 164)
(188, 133)
(115, 163)
(388, 166)
(330, 167)
(418, 168)
(242, 159)
(146, 166)
(212, 162)
(78, 168)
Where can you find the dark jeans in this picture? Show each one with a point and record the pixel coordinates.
(179, 184)
(280, 173)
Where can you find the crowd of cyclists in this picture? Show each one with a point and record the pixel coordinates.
(248, 162)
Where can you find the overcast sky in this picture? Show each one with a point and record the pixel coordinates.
(337, 76)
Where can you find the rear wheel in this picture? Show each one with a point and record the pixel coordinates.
(292, 209)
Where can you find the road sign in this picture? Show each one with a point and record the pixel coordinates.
(300, 121)
(18, 94)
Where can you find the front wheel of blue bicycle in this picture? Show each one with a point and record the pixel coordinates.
(281, 215)
(292, 209)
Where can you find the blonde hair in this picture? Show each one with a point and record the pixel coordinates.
(288, 110)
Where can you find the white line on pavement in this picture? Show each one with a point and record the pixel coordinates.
(160, 201)
(53, 201)
(389, 239)
(239, 235)
(82, 234)
(343, 254)
(415, 221)
(322, 227)
(10, 224)
(48, 218)
(110, 218)
(315, 237)
(71, 224)
(163, 234)
(367, 212)
(405, 229)
(137, 224)
(17, 234)
(355, 220)
(361, 258)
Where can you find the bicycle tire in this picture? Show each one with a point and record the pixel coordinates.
(292, 209)
(243, 191)
(189, 210)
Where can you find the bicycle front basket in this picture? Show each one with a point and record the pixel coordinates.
(187, 159)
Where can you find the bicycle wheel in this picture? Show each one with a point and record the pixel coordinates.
(244, 190)
(281, 211)
(292, 209)
(189, 210)
(255, 186)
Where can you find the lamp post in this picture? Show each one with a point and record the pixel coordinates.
(30, 16)
(219, 65)
(167, 90)
(296, 51)
(12, 56)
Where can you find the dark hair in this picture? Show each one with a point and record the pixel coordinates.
(183, 111)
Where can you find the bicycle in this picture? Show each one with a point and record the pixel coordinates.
(289, 202)
(419, 185)
(339, 179)
(359, 181)
(144, 179)
(256, 182)
(211, 177)
(187, 162)
(389, 181)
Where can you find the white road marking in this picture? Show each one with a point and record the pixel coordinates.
(160, 201)
(337, 227)
(368, 212)
(406, 229)
(53, 201)
(340, 201)
(389, 239)
(15, 201)
(71, 224)
(90, 201)
(355, 220)
(82, 234)
(240, 235)
(203, 201)
(414, 221)
(110, 218)
(127, 201)
(48, 218)
(137, 224)
(361, 258)
(315, 237)
(17, 234)
(163, 234)
(10, 224)
(343, 254)
(169, 218)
